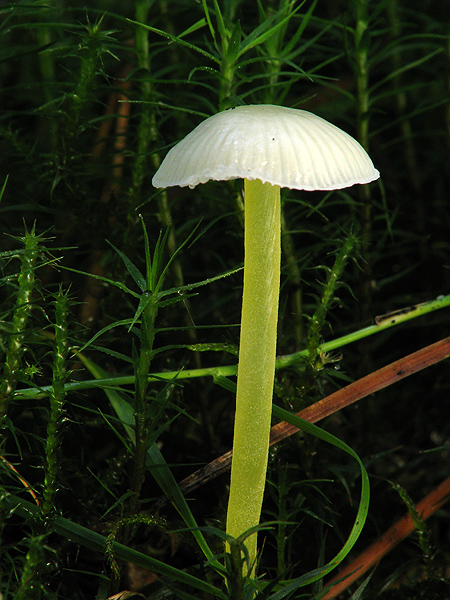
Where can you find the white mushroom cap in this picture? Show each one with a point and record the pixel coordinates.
(278, 145)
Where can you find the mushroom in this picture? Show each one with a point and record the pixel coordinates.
(270, 147)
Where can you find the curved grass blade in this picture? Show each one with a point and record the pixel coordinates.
(361, 513)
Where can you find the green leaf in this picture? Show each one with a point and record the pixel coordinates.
(225, 383)
(264, 31)
(209, 22)
(118, 284)
(2, 191)
(234, 44)
(404, 68)
(137, 276)
(293, 42)
(175, 39)
(192, 286)
(193, 28)
(221, 26)
(214, 347)
(124, 322)
(144, 301)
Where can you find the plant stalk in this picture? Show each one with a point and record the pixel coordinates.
(57, 400)
(362, 44)
(26, 284)
(147, 336)
(256, 368)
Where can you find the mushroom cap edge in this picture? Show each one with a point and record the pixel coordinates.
(282, 146)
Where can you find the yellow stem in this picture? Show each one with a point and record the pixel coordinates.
(257, 352)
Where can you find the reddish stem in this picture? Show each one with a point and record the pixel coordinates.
(393, 536)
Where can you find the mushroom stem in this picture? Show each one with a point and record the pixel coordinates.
(256, 369)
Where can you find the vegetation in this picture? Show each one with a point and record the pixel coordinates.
(120, 303)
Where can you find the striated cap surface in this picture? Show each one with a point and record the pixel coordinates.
(278, 145)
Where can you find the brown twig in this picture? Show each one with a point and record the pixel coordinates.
(393, 536)
(23, 481)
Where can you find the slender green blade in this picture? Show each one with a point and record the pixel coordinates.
(97, 542)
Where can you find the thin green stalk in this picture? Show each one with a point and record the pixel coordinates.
(25, 288)
(401, 99)
(318, 318)
(57, 398)
(147, 134)
(147, 336)
(30, 586)
(295, 280)
(47, 63)
(383, 322)
(256, 360)
(275, 47)
(282, 518)
(147, 128)
(409, 150)
(228, 50)
(89, 53)
(423, 531)
(448, 88)
(362, 44)
(362, 70)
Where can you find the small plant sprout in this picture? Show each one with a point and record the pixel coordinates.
(270, 147)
